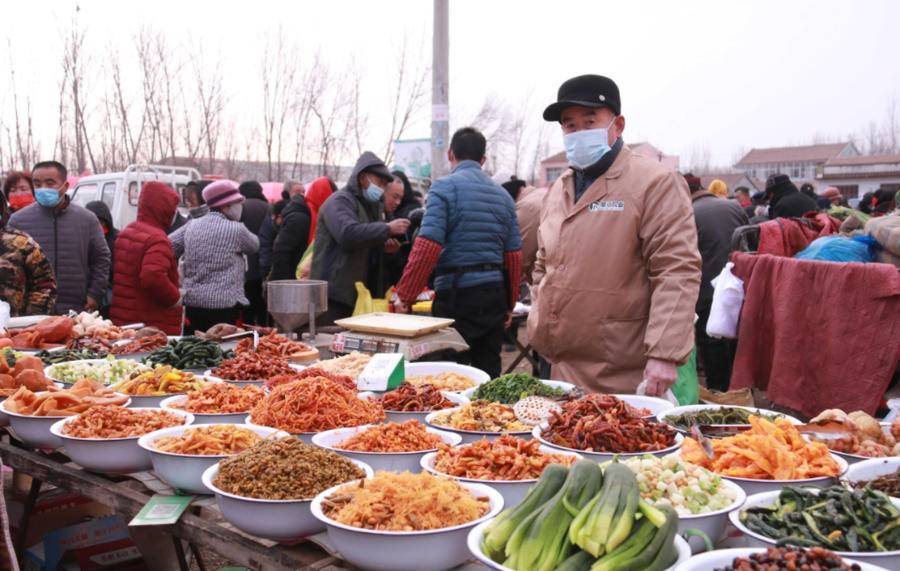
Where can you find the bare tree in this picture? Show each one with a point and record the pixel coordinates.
(211, 99)
(74, 65)
(279, 77)
(411, 82)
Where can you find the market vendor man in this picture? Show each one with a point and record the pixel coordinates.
(618, 270)
(470, 238)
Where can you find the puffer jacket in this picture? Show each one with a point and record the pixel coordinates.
(348, 227)
(474, 219)
(145, 284)
(291, 241)
(72, 240)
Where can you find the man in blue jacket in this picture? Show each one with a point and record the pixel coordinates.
(470, 237)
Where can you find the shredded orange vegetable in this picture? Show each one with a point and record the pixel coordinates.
(768, 451)
(214, 440)
(222, 398)
(409, 436)
(119, 422)
(507, 458)
(314, 405)
(404, 502)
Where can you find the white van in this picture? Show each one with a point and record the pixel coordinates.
(120, 190)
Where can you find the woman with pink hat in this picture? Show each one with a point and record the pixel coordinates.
(214, 249)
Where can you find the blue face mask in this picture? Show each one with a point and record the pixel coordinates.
(47, 197)
(584, 148)
(373, 193)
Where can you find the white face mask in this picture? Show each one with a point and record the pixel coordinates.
(233, 211)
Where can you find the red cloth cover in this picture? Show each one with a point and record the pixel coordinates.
(788, 236)
(145, 276)
(817, 335)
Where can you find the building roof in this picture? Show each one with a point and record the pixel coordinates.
(864, 160)
(807, 153)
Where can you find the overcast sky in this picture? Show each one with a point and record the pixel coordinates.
(723, 74)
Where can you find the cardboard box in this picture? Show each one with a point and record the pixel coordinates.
(92, 545)
(54, 509)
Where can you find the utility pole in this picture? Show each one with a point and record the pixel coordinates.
(440, 89)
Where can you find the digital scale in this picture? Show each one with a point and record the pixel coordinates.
(412, 335)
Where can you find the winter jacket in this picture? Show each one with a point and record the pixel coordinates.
(616, 276)
(291, 241)
(716, 221)
(26, 277)
(72, 240)
(528, 212)
(474, 219)
(145, 284)
(101, 211)
(253, 215)
(267, 234)
(347, 229)
(791, 204)
(214, 248)
(318, 192)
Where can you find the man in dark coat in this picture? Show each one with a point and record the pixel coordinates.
(716, 219)
(267, 234)
(785, 201)
(349, 227)
(256, 210)
(292, 239)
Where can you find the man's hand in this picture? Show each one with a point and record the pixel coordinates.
(400, 307)
(392, 246)
(91, 304)
(660, 376)
(398, 227)
(508, 322)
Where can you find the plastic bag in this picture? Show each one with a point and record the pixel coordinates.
(669, 396)
(894, 407)
(4, 314)
(840, 249)
(363, 300)
(687, 387)
(728, 297)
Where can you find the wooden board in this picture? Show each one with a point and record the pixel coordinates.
(397, 324)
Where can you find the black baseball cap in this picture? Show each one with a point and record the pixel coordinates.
(585, 91)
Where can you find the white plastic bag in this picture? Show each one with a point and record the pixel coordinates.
(728, 297)
(669, 396)
(894, 407)
(4, 314)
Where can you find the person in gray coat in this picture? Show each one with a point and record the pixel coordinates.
(350, 232)
(716, 219)
(70, 236)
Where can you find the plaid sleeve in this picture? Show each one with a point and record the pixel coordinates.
(422, 259)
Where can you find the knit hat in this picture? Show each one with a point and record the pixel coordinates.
(222, 193)
(831, 192)
(718, 188)
(778, 184)
(693, 182)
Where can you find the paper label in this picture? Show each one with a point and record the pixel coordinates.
(384, 372)
(162, 510)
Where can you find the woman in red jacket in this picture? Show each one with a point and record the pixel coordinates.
(145, 282)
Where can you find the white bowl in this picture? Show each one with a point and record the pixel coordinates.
(307, 437)
(512, 490)
(886, 559)
(205, 418)
(388, 461)
(35, 430)
(469, 435)
(185, 471)
(605, 456)
(285, 521)
(713, 524)
(567, 387)
(724, 557)
(255, 382)
(871, 469)
(678, 410)
(854, 458)
(655, 405)
(476, 536)
(405, 551)
(401, 416)
(109, 455)
(438, 367)
(755, 486)
(49, 370)
(4, 418)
